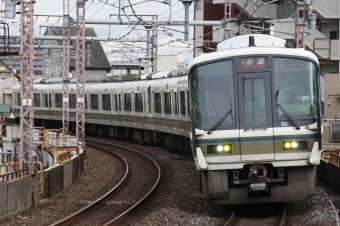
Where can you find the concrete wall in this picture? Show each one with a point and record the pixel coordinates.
(332, 96)
(16, 195)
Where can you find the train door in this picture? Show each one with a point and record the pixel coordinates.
(255, 115)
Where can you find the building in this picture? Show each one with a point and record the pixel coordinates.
(13, 61)
(96, 62)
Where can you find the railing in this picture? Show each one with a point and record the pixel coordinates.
(332, 155)
(13, 175)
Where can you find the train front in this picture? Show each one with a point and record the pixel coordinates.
(256, 124)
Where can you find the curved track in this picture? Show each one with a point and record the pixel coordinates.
(141, 177)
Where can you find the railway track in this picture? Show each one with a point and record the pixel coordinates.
(137, 186)
(273, 214)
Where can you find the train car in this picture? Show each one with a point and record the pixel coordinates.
(249, 112)
(256, 124)
(153, 110)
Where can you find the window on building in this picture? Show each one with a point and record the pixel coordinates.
(106, 102)
(138, 102)
(72, 100)
(127, 102)
(167, 103)
(94, 101)
(158, 102)
(333, 35)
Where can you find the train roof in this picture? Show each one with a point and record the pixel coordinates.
(256, 50)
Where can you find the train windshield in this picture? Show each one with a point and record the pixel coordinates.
(296, 87)
(212, 94)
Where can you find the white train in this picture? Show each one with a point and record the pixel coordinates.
(252, 119)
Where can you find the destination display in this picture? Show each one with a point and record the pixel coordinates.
(253, 63)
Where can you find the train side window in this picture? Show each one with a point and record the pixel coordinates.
(58, 100)
(106, 102)
(182, 102)
(188, 105)
(149, 98)
(45, 100)
(127, 102)
(72, 101)
(119, 102)
(175, 104)
(94, 101)
(85, 101)
(50, 100)
(167, 103)
(37, 101)
(115, 96)
(18, 99)
(158, 106)
(138, 102)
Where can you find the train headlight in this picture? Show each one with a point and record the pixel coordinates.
(294, 145)
(219, 149)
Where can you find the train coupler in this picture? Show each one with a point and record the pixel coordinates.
(258, 180)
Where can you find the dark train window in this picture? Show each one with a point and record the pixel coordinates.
(94, 101)
(149, 99)
(72, 101)
(182, 102)
(167, 103)
(37, 100)
(85, 101)
(127, 102)
(158, 106)
(116, 102)
(106, 102)
(50, 100)
(45, 101)
(138, 102)
(58, 100)
(18, 99)
(188, 105)
(119, 102)
(176, 104)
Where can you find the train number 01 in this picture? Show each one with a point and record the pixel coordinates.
(284, 124)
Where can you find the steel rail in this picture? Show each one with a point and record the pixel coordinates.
(90, 208)
(146, 197)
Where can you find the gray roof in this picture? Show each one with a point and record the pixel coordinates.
(98, 59)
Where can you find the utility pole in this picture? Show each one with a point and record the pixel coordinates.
(66, 62)
(154, 43)
(300, 26)
(186, 4)
(80, 75)
(227, 15)
(26, 84)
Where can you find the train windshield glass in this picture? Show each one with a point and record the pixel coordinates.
(296, 87)
(212, 93)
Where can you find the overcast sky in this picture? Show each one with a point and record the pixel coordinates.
(96, 9)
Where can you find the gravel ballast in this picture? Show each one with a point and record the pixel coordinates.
(179, 201)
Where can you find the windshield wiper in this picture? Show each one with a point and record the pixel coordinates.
(220, 121)
(285, 112)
